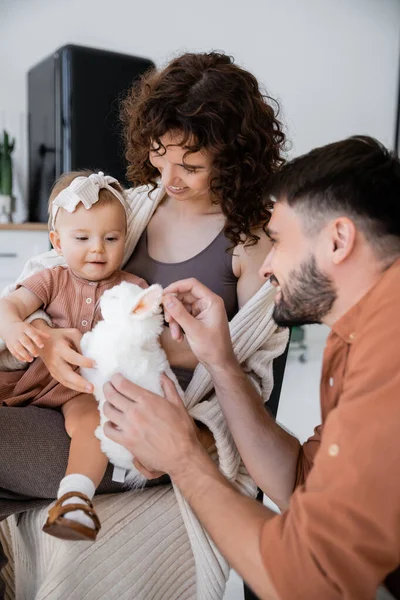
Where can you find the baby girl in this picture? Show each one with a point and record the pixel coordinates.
(88, 216)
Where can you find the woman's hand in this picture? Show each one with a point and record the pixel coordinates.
(201, 315)
(61, 355)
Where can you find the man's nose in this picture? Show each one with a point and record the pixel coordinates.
(266, 269)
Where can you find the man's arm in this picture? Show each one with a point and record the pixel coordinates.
(268, 451)
(233, 521)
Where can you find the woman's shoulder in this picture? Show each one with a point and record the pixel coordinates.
(251, 256)
(246, 264)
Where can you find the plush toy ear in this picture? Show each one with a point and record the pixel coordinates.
(149, 300)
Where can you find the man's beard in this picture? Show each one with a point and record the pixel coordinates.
(307, 298)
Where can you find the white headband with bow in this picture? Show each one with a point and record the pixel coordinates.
(86, 190)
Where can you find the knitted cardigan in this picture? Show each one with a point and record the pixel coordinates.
(257, 340)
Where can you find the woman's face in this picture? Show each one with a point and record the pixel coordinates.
(184, 178)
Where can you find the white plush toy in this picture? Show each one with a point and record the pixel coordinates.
(126, 342)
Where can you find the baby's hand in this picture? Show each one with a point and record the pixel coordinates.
(24, 341)
(142, 283)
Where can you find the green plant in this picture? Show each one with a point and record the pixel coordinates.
(6, 148)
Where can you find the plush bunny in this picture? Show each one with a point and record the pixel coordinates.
(126, 342)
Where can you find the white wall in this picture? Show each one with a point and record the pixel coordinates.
(332, 64)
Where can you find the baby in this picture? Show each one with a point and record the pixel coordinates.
(88, 221)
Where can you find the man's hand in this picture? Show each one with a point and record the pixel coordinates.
(158, 431)
(61, 353)
(201, 315)
(24, 341)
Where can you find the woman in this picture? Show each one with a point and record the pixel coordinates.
(201, 144)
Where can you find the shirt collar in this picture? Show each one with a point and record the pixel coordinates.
(101, 282)
(346, 326)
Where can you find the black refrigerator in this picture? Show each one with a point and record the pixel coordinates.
(73, 116)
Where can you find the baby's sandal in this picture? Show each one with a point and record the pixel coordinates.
(63, 528)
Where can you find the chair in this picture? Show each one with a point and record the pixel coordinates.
(273, 403)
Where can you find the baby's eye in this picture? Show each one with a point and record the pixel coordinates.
(111, 239)
(81, 238)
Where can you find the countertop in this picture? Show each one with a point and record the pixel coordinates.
(24, 226)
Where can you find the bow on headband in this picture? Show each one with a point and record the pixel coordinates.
(85, 190)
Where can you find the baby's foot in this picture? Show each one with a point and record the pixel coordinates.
(78, 515)
(75, 524)
(73, 516)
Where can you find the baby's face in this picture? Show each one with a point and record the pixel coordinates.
(91, 241)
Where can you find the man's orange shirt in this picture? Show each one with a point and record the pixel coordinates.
(340, 536)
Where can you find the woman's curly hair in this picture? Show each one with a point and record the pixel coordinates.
(217, 106)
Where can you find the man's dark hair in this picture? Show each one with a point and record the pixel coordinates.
(358, 178)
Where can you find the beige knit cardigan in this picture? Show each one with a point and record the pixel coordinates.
(159, 566)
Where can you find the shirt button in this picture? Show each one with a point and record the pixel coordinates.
(92, 283)
(333, 450)
(84, 323)
(331, 381)
(88, 300)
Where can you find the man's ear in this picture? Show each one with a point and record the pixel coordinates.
(55, 241)
(344, 233)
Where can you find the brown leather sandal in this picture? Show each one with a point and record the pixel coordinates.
(66, 529)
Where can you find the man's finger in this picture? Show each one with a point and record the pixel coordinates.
(184, 286)
(170, 391)
(176, 331)
(111, 431)
(131, 391)
(179, 313)
(113, 413)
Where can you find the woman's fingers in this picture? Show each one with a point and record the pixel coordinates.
(74, 381)
(72, 357)
(62, 370)
(75, 336)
